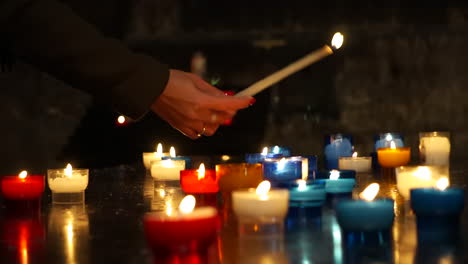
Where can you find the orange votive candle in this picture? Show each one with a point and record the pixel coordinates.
(393, 157)
(233, 176)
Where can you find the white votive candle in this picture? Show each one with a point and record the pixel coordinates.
(355, 163)
(434, 148)
(411, 177)
(67, 185)
(167, 170)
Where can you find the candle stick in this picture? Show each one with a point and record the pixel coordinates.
(294, 67)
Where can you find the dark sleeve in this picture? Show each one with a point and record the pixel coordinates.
(50, 36)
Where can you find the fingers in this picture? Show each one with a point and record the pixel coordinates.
(204, 86)
(225, 103)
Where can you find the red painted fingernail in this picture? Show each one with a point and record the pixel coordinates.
(227, 122)
(229, 93)
(253, 101)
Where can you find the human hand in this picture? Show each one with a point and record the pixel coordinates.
(194, 107)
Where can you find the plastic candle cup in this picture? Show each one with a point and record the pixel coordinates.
(410, 177)
(22, 186)
(199, 181)
(337, 182)
(67, 185)
(305, 193)
(167, 170)
(337, 145)
(365, 214)
(358, 164)
(149, 157)
(434, 148)
(438, 208)
(260, 210)
(173, 156)
(393, 157)
(233, 176)
(283, 169)
(260, 157)
(188, 229)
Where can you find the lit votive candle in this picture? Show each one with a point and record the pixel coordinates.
(199, 181)
(283, 169)
(384, 140)
(410, 177)
(260, 207)
(284, 151)
(338, 182)
(167, 170)
(358, 164)
(365, 214)
(260, 157)
(393, 157)
(434, 148)
(149, 157)
(186, 229)
(305, 193)
(173, 156)
(233, 176)
(67, 185)
(438, 207)
(22, 186)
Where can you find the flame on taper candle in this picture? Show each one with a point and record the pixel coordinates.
(262, 190)
(201, 171)
(23, 174)
(337, 40)
(172, 152)
(159, 150)
(442, 183)
(187, 204)
(370, 192)
(68, 171)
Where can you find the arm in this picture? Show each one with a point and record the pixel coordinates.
(50, 36)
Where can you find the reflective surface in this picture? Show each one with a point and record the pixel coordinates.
(108, 229)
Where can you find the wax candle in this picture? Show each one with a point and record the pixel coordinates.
(338, 182)
(184, 230)
(149, 157)
(173, 156)
(233, 176)
(305, 193)
(260, 205)
(167, 170)
(283, 169)
(22, 186)
(410, 177)
(365, 214)
(337, 145)
(358, 164)
(434, 148)
(199, 181)
(67, 185)
(260, 157)
(438, 207)
(393, 157)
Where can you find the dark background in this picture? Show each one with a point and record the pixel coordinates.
(403, 68)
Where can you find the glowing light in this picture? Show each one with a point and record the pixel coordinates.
(423, 172)
(354, 155)
(162, 193)
(262, 190)
(121, 119)
(334, 175)
(337, 40)
(392, 144)
(370, 192)
(442, 183)
(23, 174)
(225, 157)
(169, 209)
(172, 152)
(187, 204)
(201, 171)
(159, 151)
(281, 164)
(265, 151)
(68, 171)
(388, 137)
(302, 185)
(168, 163)
(276, 149)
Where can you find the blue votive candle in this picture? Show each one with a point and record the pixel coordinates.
(336, 146)
(383, 140)
(305, 193)
(260, 157)
(282, 169)
(435, 208)
(365, 216)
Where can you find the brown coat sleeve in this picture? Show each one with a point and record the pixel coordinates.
(49, 35)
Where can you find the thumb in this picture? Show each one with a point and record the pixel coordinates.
(226, 103)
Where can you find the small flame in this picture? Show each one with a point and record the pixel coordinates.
(68, 171)
(265, 151)
(423, 172)
(225, 157)
(201, 171)
(262, 190)
(276, 149)
(281, 164)
(389, 137)
(121, 119)
(337, 40)
(169, 208)
(370, 192)
(172, 152)
(159, 150)
(187, 204)
(392, 144)
(301, 185)
(442, 183)
(354, 155)
(334, 174)
(23, 174)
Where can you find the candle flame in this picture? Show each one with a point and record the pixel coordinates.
(337, 40)
(334, 175)
(172, 152)
(159, 150)
(262, 190)
(264, 151)
(121, 119)
(392, 144)
(389, 137)
(301, 185)
(187, 204)
(225, 157)
(201, 171)
(370, 192)
(442, 183)
(354, 155)
(281, 164)
(23, 174)
(276, 149)
(68, 171)
(423, 172)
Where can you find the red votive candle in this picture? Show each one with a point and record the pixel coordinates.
(199, 181)
(183, 231)
(23, 186)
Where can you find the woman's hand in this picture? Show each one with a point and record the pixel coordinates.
(194, 107)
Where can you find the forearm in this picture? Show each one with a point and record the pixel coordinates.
(49, 35)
